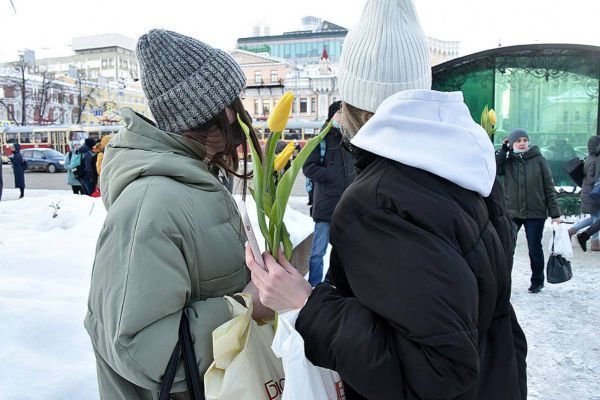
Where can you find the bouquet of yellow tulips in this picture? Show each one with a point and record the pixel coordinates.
(488, 121)
(271, 198)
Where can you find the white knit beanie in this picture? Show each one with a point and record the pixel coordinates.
(385, 53)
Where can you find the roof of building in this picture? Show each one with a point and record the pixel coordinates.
(325, 29)
(103, 41)
(577, 58)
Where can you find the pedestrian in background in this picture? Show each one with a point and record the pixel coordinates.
(86, 173)
(19, 166)
(418, 303)
(73, 161)
(591, 174)
(530, 196)
(331, 169)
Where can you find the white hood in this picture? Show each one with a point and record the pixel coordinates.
(435, 132)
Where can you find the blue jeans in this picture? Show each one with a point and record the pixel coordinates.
(534, 230)
(317, 251)
(584, 223)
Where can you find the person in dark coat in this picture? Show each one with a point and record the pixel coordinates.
(330, 176)
(419, 301)
(89, 179)
(19, 166)
(591, 174)
(530, 196)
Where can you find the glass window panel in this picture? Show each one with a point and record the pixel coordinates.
(559, 114)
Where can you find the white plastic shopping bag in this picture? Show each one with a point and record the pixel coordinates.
(245, 367)
(559, 242)
(303, 381)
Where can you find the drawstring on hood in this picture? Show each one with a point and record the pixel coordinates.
(432, 131)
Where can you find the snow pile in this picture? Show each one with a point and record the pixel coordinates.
(45, 269)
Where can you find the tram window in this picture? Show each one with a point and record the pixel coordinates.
(77, 135)
(309, 133)
(25, 137)
(293, 134)
(11, 138)
(40, 137)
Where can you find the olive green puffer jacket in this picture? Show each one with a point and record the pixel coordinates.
(172, 239)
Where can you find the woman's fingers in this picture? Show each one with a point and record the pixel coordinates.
(285, 263)
(256, 270)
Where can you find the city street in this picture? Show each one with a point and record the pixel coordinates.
(36, 180)
(58, 181)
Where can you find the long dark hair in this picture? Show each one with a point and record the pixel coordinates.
(233, 137)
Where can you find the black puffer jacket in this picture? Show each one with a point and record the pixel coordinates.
(330, 177)
(591, 173)
(528, 184)
(419, 306)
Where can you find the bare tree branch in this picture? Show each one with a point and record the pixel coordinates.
(11, 115)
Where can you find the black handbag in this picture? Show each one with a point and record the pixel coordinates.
(185, 349)
(574, 168)
(558, 269)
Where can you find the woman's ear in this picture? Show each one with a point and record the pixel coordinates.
(230, 115)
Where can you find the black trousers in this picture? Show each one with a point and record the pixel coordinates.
(77, 189)
(534, 230)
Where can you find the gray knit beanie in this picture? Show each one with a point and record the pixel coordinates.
(187, 82)
(516, 135)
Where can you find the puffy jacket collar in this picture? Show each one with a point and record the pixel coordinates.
(533, 152)
(140, 150)
(432, 131)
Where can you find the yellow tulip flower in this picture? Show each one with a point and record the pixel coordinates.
(492, 116)
(283, 157)
(281, 113)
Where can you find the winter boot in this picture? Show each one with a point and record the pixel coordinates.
(595, 245)
(535, 288)
(572, 231)
(582, 238)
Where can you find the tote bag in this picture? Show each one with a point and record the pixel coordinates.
(245, 367)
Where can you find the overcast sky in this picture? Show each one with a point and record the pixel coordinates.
(47, 26)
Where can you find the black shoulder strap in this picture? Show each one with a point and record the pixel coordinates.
(185, 348)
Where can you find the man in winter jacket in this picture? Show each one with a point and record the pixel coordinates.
(331, 173)
(530, 196)
(419, 301)
(591, 174)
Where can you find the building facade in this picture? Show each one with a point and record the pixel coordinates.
(305, 46)
(301, 47)
(109, 57)
(51, 99)
(265, 80)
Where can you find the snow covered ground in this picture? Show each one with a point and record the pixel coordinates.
(45, 266)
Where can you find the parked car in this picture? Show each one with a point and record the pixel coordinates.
(48, 160)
